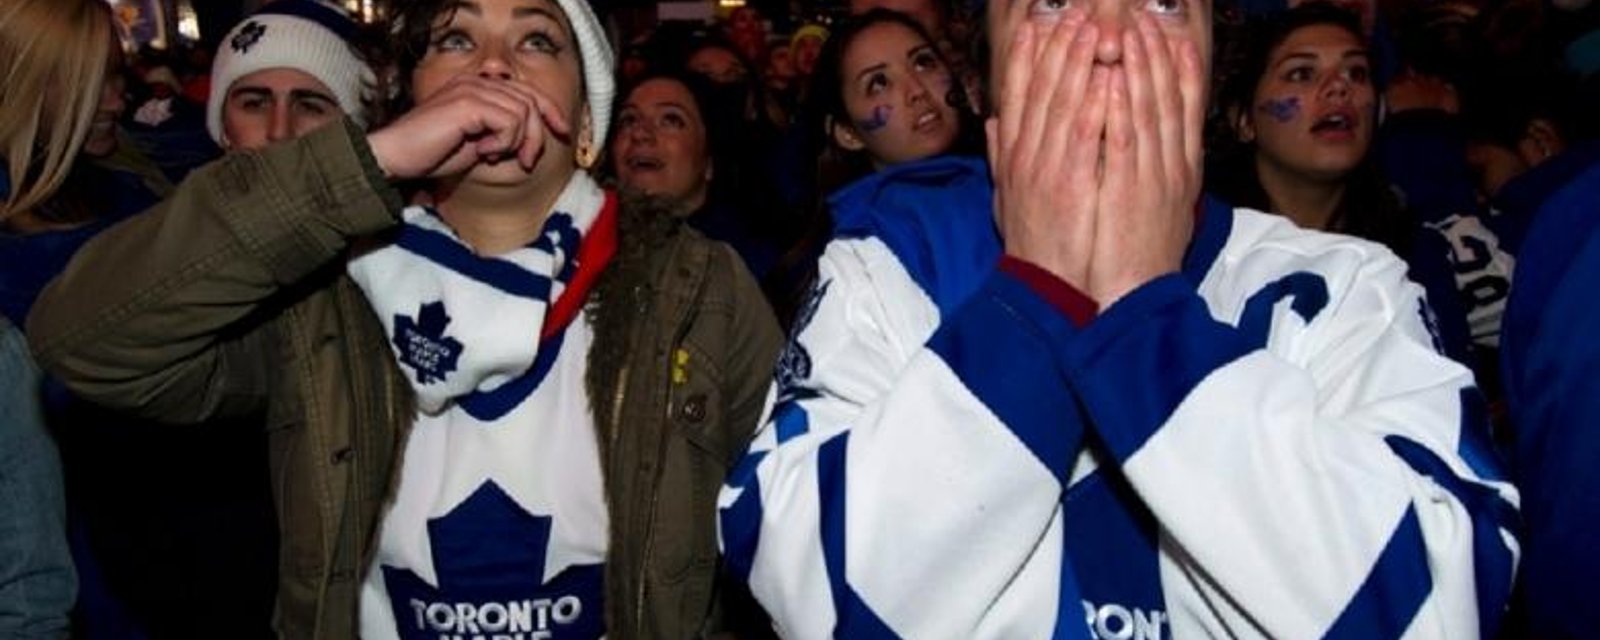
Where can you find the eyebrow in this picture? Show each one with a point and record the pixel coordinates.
(872, 69)
(918, 49)
(475, 9)
(296, 94)
(1307, 55)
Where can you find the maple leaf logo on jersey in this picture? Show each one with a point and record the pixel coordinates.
(423, 345)
(248, 36)
(489, 556)
(794, 366)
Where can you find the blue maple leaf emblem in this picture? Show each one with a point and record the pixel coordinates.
(489, 555)
(794, 365)
(423, 345)
(248, 36)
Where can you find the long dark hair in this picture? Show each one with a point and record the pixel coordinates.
(827, 98)
(1369, 208)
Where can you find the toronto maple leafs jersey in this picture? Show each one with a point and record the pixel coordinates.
(1267, 444)
(498, 529)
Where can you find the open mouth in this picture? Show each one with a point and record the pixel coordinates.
(1336, 123)
(926, 121)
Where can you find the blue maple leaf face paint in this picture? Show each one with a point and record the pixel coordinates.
(879, 119)
(1281, 109)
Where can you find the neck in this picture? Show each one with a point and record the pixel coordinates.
(497, 219)
(1309, 202)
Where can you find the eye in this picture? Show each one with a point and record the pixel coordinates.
(251, 103)
(876, 83)
(1049, 6)
(628, 120)
(1298, 74)
(313, 106)
(1165, 7)
(925, 60)
(1359, 74)
(452, 41)
(674, 121)
(541, 42)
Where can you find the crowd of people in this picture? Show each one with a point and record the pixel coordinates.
(1105, 319)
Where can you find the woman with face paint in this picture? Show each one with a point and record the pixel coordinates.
(1302, 108)
(887, 96)
(1061, 394)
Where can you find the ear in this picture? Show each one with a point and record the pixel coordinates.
(1544, 139)
(844, 135)
(1244, 129)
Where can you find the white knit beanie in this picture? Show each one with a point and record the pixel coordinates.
(599, 78)
(304, 35)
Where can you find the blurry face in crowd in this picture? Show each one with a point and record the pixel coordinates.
(275, 104)
(747, 32)
(523, 41)
(805, 52)
(1179, 20)
(1315, 105)
(720, 65)
(780, 64)
(923, 11)
(894, 87)
(660, 147)
(102, 138)
(1495, 165)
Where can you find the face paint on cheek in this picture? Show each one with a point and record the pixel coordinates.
(1281, 109)
(879, 119)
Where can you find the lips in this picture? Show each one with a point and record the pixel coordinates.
(927, 120)
(1336, 124)
(640, 162)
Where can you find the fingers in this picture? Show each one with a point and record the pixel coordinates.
(1014, 87)
(1192, 85)
(1066, 122)
(1062, 71)
(1161, 76)
(1120, 163)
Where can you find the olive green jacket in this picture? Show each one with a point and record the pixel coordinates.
(230, 299)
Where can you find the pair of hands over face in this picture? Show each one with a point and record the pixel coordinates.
(1096, 151)
(469, 120)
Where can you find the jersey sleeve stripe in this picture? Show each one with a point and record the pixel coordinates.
(1493, 562)
(1394, 590)
(1143, 356)
(854, 618)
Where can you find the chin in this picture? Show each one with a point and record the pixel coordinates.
(506, 173)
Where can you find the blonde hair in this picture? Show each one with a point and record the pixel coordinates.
(52, 67)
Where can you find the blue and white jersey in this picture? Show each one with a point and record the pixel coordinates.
(1267, 444)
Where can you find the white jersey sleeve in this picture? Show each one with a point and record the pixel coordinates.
(1316, 467)
(883, 497)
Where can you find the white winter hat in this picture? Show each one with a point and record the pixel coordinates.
(304, 35)
(599, 78)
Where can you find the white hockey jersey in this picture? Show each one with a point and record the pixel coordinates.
(1267, 444)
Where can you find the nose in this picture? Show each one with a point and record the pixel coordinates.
(494, 65)
(1111, 20)
(917, 90)
(1336, 87)
(282, 125)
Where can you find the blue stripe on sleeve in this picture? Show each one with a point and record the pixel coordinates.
(791, 420)
(1141, 358)
(1393, 592)
(855, 618)
(996, 345)
(1493, 563)
(500, 274)
(741, 521)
